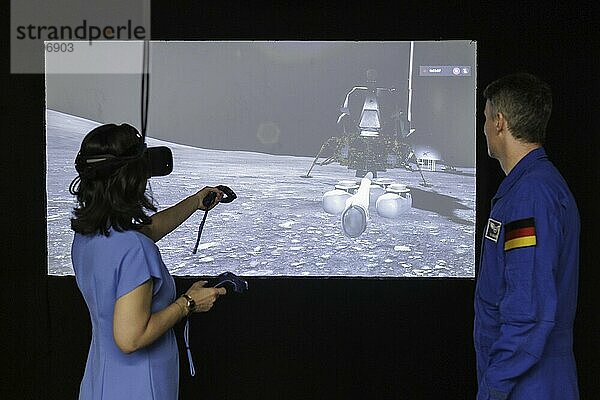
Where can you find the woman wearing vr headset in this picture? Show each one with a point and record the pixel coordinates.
(128, 290)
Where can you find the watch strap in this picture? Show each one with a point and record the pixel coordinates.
(191, 304)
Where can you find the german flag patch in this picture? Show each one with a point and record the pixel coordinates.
(519, 234)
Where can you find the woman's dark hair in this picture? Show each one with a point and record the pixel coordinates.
(114, 195)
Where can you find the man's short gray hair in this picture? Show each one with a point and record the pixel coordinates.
(526, 103)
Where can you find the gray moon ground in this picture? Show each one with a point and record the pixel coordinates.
(277, 226)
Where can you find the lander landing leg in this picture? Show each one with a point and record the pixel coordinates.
(328, 160)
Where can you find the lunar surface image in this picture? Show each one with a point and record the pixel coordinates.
(277, 225)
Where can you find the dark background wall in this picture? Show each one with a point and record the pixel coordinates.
(314, 338)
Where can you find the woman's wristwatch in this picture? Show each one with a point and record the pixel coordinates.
(191, 304)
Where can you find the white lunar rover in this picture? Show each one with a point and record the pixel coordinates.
(351, 200)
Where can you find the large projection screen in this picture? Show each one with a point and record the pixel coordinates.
(394, 120)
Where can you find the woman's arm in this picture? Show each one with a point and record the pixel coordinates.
(135, 326)
(165, 221)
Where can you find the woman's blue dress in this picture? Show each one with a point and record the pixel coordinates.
(107, 268)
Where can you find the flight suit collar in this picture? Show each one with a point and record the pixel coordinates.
(515, 174)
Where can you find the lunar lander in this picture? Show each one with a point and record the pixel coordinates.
(375, 130)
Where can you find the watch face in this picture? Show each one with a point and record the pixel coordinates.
(191, 304)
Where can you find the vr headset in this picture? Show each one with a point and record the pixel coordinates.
(159, 161)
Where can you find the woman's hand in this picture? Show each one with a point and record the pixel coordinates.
(204, 192)
(204, 297)
(135, 326)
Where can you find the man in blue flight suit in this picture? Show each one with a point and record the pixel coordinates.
(526, 292)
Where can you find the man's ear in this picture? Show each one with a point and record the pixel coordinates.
(500, 122)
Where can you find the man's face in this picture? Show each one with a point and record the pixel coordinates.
(489, 128)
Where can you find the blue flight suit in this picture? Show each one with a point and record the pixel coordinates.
(526, 292)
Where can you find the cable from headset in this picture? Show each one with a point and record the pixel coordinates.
(145, 94)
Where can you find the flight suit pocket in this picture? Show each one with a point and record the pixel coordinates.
(518, 297)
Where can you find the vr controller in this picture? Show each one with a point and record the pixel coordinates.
(209, 199)
(231, 282)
